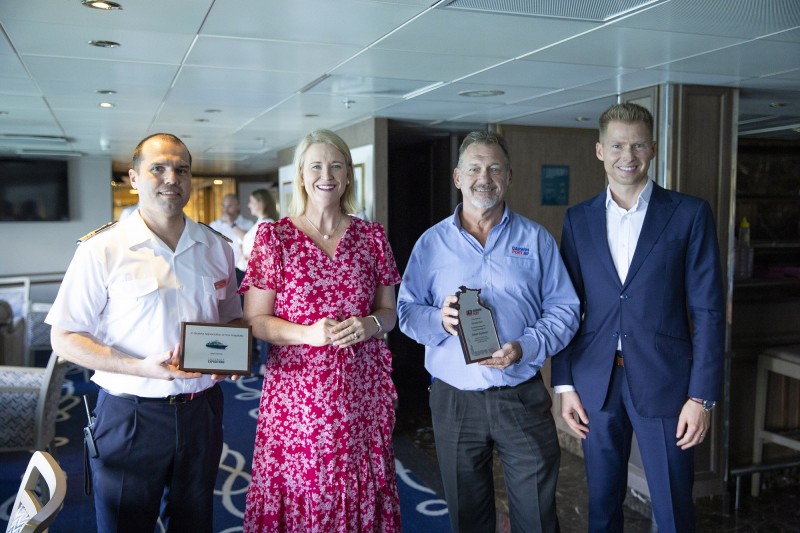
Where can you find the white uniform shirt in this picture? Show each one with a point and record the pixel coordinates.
(248, 241)
(243, 224)
(130, 291)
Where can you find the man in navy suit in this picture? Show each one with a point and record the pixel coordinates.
(648, 357)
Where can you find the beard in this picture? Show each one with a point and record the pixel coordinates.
(484, 203)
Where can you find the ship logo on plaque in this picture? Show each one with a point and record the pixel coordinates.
(476, 328)
(216, 345)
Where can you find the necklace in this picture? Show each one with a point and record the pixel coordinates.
(325, 236)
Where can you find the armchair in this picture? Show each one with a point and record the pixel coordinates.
(12, 336)
(31, 513)
(16, 291)
(29, 398)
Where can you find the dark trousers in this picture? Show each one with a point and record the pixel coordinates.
(156, 459)
(669, 470)
(468, 425)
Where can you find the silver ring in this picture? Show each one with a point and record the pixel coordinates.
(355, 336)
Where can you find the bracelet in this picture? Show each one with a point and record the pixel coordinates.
(377, 323)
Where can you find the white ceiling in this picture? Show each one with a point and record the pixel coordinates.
(236, 78)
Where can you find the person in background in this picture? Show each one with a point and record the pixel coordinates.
(499, 403)
(118, 311)
(319, 289)
(648, 357)
(234, 226)
(262, 207)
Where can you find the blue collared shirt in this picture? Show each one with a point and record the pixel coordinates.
(522, 279)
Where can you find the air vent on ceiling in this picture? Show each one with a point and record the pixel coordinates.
(591, 11)
(24, 138)
(48, 153)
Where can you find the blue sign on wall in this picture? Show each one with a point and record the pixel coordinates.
(555, 185)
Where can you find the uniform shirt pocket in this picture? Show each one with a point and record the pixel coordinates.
(132, 294)
(214, 288)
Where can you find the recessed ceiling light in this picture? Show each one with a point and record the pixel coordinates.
(100, 4)
(106, 104)
(104, 44)
(481, 94)
(311, 115)
(582, 119)
(213, 110)
(105, 91)
(777, 104)
(3, 112)
(218, 182)
(201, 120)
(348, 103)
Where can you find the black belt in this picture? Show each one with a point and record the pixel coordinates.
(172, 400)
(505, 387)
(618, 360)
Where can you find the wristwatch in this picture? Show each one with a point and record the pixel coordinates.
(377, 323)
(707, 404)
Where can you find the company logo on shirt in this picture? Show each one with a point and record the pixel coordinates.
(520, 250)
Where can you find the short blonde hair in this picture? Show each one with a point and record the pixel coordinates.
(299, 197)
(629, 113)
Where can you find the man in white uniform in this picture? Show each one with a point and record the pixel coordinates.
(234, 226)
(119, 310)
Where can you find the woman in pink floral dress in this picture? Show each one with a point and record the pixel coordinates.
(319, 289)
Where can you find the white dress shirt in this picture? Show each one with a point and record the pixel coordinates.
(243, 224)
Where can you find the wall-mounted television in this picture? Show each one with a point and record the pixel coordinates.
(33, 190)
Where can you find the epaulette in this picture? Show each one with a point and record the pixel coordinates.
(92, 233)
(215, 231)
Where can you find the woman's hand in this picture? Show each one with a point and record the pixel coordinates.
(321, 332)
(352, 331)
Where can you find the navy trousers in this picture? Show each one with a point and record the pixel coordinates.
(669, 470)
(156, 459)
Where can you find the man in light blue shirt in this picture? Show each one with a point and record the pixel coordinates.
(500, 401)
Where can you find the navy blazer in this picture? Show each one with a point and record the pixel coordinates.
(669, 312)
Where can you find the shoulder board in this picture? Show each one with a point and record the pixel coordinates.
(92, 233)
(215, 231)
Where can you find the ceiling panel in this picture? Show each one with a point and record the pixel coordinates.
(745, 19)
(747, 61)
(318, 21)
(415, 65)
(269, 55)
(73, 41)
(609, 46)
(276, 70)
(544, 74)
(511, 36)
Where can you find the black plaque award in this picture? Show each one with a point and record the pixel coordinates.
(476, 328)
(215, 348)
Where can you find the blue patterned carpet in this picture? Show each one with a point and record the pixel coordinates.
(421, 509)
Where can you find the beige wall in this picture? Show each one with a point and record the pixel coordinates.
(531, 148)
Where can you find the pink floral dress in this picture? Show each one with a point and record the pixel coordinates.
(323, 458)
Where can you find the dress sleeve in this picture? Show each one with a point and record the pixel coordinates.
(265, 266)
(388, 274)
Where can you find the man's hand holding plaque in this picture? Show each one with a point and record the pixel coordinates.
(475, 327)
